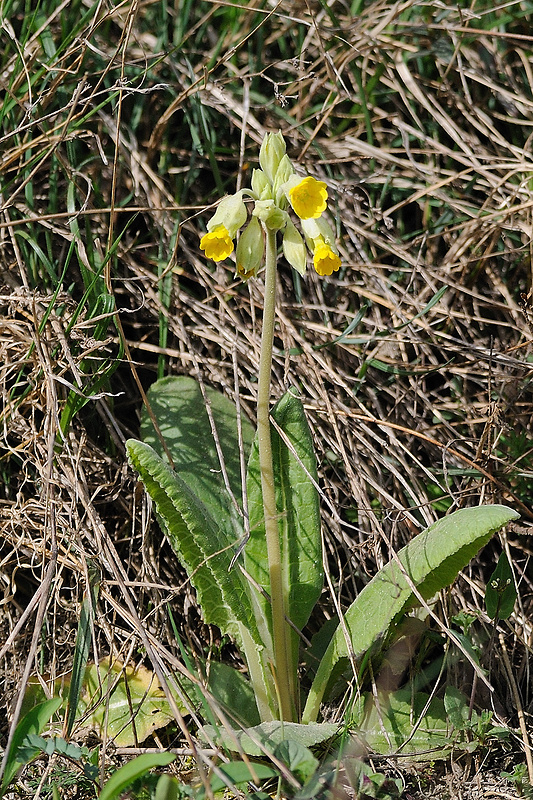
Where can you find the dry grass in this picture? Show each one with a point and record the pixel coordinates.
(418, 117)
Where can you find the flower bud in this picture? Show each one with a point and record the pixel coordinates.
(261, 185)
(271, 152)
(284, 172)
(268, 212)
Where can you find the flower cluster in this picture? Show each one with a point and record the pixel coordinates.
(275, 188)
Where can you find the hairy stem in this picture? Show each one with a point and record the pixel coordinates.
(280, 630)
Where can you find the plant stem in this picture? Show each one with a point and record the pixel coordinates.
(280, 629)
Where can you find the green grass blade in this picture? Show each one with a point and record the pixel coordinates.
(32, 722)
(76, 400)
(133, 770)
(82, 647)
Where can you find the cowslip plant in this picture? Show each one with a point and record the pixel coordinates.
(264, 597)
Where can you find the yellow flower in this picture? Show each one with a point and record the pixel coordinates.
(321, 241)
(325, 260)
(217, 243)
(307, 196)
(230, 215)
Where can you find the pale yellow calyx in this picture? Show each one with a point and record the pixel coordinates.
(261, 186)
(250, 250)
(231, 214)
(294, 248)
(270, 214)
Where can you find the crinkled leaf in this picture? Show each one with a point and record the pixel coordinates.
(264, 738)
(200, 542)
(180, 411)
(430, 562)
(199, 514)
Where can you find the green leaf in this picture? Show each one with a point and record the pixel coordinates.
(466, 646)
(82, 646)
(169, 788)
(299, 759)
(389, 726)
(33, 722)
(124, 777)
(267, 736)
(500, 594)
(193, 503)
(431, 561)
(367, 783)
(34, 745)
(237, 772)
(198, 512)
(299, 515)
(125, 702)
(201, 543)
(234, 692)
(457, 708)
(179, 409)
